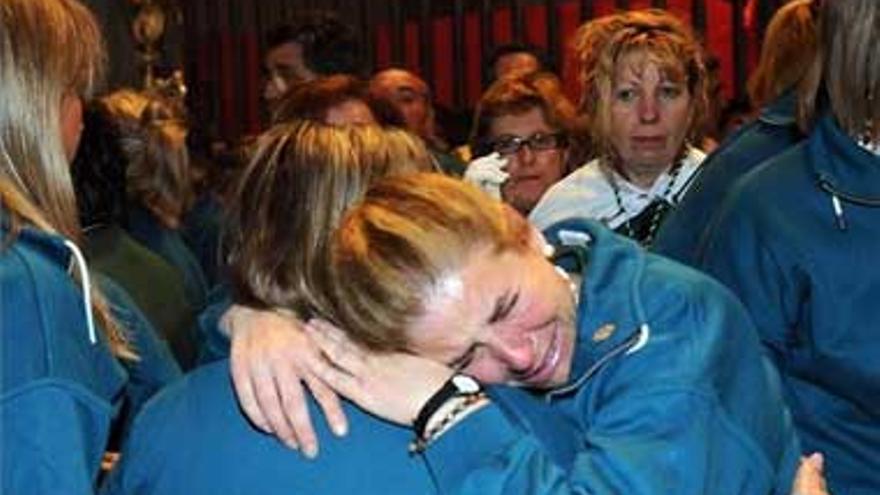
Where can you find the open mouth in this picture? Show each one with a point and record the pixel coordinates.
(543, 371)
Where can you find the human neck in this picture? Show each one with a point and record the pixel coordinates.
(642, 176)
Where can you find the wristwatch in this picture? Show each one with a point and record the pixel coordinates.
(458, 385)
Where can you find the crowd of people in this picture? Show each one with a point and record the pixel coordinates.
(579, 299)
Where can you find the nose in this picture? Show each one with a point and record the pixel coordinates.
(516, 352)
(648, 109)
(525, 157)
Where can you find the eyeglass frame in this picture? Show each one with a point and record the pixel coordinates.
(560, 140)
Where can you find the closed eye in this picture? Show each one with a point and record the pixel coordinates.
(464, 360)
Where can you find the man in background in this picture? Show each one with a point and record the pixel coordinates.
(317, 45)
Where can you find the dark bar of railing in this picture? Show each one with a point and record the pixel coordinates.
(397, 32)
(458, 48)
(741, 48)
(486, 37)
(368, 53)
(587, 10)
(621, 4)
(553, 42)
(661, 4)
(766, 8)
(519, 20)
(426, 52)
(698, 17)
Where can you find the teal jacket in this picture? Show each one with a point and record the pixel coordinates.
(681, 235)
(193, 439)
(798, 241)
(60, 383)
(670, 391)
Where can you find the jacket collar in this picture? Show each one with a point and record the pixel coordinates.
(49, 245)
(841, 166)
(610, 318)
(781, 111)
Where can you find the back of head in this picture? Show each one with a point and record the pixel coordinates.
(847, 68)
(99, 169)
(153, 143)
(657, 37)
(52, 57)
(787, 53)
(51, 50)
(302, 177)
(329, 46)
(401, 243)
(529, 59)
(312, 100)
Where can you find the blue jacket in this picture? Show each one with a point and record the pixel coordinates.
(798, 241)
(58, 386)
(192, 439)
(681, 234)
(670, 391)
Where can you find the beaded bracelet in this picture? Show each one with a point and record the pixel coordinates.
(466, 402)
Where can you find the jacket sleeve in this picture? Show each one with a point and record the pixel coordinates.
(740, 254)
(48, 432)
(672, 440)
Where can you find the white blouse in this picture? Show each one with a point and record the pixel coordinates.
(588, 192)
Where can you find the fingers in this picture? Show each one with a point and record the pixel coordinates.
(330, 405)
(269, 399)
(809, 479)
(338, 370)
(337, 347)
(295, 413)
(244, 389)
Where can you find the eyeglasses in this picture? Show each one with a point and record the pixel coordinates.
(510, 145)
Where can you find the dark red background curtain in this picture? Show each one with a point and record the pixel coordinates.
(445, 41)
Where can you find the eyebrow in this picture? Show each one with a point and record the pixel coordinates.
(503, 307)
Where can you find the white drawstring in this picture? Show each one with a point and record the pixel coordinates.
(644, 335)
(86, 287)
(838, 212)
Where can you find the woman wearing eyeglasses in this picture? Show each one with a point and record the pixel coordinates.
(526, 134)
(644, 98)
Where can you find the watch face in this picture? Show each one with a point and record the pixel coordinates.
(466, 384)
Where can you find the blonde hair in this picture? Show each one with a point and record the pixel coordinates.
(600, 45)
(51, 50)
(396, 247)
(153, 142)
(290, 199)
(789, 48)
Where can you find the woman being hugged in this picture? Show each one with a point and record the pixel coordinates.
(643, 94)
(59, 375)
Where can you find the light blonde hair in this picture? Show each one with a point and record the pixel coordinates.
(600, 45)
(394, 249)
(847, 68)
(289, 202)
(789, 48)
(50, 50)
(153, 142)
